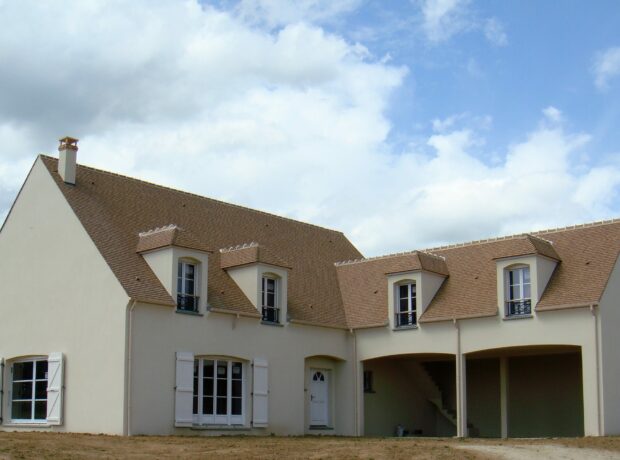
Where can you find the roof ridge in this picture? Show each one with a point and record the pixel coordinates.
(387, 256)
(596, 223)
(534, 234)
(155, 230)
(515, 236)
(238, 247)
(246, 208)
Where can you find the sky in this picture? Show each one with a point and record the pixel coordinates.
(404, 124)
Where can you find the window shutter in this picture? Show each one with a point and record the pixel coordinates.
(260, 393)
(54, 388)
(184, 390)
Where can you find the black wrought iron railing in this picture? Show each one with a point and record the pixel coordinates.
(271, 314)
(186, 302)
(405, 319)
(519, 307)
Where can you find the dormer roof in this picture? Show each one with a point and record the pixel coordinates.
(526, 245)
(249, 253)
(169, 235)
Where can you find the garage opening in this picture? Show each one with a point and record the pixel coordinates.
(541, 388)
(410, 395)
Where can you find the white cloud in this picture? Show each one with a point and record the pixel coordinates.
(606, 67)
(275, 13)
(463, 119)
(444, 18)
(494, 32)
(453, 196)
(291, 122)
(552, 114)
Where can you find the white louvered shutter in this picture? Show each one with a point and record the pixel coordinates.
(260, 393)
(54, 388)
(184, 390)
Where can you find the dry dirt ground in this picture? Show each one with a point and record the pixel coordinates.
(73, 446)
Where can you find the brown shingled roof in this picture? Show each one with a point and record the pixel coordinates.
(587, 253)
(248, 254)
(114, 209)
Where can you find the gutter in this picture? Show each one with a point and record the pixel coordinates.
(452, 318)
(128, 364)
(231, 312)
(311, 323)
(371, 326)
(566, 306)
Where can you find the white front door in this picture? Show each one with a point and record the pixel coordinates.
(319, 397)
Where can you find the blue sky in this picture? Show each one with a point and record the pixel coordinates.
(405, 124)
(545, 60)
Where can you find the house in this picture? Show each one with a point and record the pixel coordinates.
(130, 308)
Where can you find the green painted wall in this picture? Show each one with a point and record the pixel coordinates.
(396, 400)
(545, 396)
(483, 397)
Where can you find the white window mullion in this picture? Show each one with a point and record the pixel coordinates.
(215, 364)
(199, 406)
(34, 389)
(244, 373)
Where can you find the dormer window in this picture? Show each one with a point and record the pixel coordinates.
(406, 305)
(269, 299)
(187, 299)
(518, 291)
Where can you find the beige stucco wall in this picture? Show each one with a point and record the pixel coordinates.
(58, 295)
(246, 278)
(609, 311)
(158, 332)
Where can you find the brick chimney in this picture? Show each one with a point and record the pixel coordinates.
(67, 159)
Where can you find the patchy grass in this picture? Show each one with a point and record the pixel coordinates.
(72, 446)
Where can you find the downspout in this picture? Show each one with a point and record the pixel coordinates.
(461, 419)
(128, 355)
(1, 388)
(598, 370)
(356, 381)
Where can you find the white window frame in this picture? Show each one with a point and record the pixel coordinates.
(33, 399)
(412, 304)
(182, 283)
(509, 299)
(276, 298)
(222, 419)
